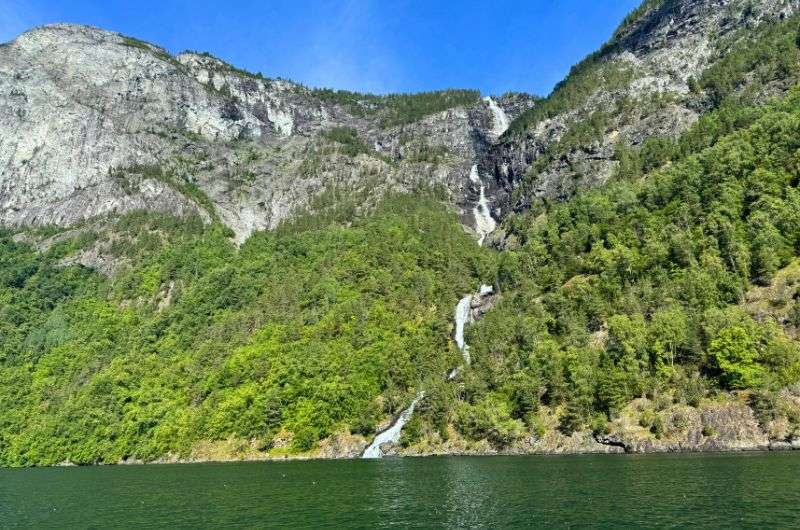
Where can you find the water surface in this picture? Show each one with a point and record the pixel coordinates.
(668, 491)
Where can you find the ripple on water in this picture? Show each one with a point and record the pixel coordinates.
(666, 491)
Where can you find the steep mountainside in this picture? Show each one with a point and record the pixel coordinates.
(644, 84)
(198, 262)
(94, 123)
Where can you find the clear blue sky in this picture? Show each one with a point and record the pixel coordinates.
(368, 45)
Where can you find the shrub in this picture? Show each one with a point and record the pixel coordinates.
(347, 137)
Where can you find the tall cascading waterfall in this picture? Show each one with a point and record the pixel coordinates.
(463, 316)
(484, 222)
(501, 122)
(484, 225)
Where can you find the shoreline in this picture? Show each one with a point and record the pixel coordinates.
(772, 447)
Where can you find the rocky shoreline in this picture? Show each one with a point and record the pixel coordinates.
(595, 446)
(724, 424)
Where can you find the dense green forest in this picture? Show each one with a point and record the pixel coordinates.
(296, 330)
(658, 269)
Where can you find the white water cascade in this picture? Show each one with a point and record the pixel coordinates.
(463, 317)
(484, 225)
(501, 121)
(484, 222)
(392, 434)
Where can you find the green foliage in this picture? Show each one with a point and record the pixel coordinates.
(749, 63)
(421, 151)
(135, 43)
(347, 137)
(196, 340)
(224, 66)
(669, 333)
(584, 79)
(157, 172)
(635, 16)
(335, 320)
(582, 133)
(162, 54)
(754, 57)
(489, 419)
(734, 353)
(652, 421)
(399, 109)
(628, 288)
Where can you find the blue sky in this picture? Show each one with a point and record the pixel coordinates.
(367, 45)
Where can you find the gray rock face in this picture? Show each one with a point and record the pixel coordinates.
(648, 65)
(93, 123)
(70, 110)
(713, 427)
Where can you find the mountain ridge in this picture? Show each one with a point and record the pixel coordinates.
(162, 101)
(655, 56)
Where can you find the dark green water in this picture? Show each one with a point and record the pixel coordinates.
(699, 491)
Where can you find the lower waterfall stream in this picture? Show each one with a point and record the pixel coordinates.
(463, 317)
(392, 434)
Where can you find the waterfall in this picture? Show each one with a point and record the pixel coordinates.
(484, 222)
(392, 434)
(463, 316)
(484, 225)
(501, 121)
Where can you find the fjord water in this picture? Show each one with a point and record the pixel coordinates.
(664, 491)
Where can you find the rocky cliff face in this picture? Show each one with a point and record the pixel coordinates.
(93, 123)
(636, 87)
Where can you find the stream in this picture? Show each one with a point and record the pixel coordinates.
(484, 225)
(392, 434)
(462, 317)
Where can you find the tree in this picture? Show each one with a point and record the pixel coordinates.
(627, 337)
(669, 331)
(770, 248)
(735, 355)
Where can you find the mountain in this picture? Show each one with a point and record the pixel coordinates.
(651, 81)
(96, 123)
(201, 263)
